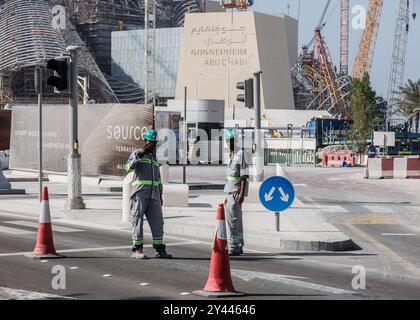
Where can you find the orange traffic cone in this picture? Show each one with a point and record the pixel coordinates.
(44, 247)
(219, 283)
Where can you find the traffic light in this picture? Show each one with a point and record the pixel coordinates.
(248, 96)
(60, 79)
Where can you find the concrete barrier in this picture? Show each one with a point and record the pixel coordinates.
(253, 192)
(375, 168)
(280, 172)
(337, 159)
(164, 173)
(400, 168)
(4, 160)
(413, 168)
(4, 183)
(394, 168)
(126, 202)
(6, 187)
(175, 195)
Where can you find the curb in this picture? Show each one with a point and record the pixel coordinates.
(192, 187)
(12, 191)
(255, 239)
(251, 238)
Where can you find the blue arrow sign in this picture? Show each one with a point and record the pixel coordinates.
(277, 194)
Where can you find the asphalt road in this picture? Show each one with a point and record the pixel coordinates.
(98, 266)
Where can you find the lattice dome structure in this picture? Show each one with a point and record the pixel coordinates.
(29, 40)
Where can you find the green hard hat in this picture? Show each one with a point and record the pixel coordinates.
(231, 134)
(151, 135)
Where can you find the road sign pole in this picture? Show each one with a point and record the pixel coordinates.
(259, 152)
(75, 200)
(277, 221)
(185, 142)
(276, 195)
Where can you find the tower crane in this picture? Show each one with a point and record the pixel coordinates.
(364, 58)
(149, 50)
(344, 36)
(396, 79)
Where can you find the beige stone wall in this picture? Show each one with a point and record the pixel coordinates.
(220, 49)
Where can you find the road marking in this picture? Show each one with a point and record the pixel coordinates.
(15, 294)
(35, 225)
(389, 252)
(370, 218)
(99, 249)
(14, 231)
(250, 275)
(185, 293)
(399, 234)
(88, 224)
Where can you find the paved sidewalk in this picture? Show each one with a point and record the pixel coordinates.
(302, 228)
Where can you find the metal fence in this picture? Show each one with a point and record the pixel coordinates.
(290, 158)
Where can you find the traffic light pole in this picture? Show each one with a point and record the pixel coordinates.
(75, 200)
(259, 151)
(38, 88)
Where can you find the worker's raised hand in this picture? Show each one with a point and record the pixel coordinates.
(148, 148)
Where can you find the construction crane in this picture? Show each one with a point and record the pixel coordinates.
(326, 65)
(344, 36)
(241, 5)
(396, 79)
(149, 50)
(364, 57)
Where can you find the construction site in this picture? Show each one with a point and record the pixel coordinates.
(125, 60)
(271, 147)
(28, 39)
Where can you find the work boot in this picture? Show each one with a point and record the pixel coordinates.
(138, 253)
(161, 252)
(236, 252)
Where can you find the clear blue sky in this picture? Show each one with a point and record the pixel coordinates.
(310, 14)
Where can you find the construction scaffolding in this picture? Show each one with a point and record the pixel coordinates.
(28, 41)
(316, 83)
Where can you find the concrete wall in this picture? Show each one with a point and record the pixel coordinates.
(220, 49)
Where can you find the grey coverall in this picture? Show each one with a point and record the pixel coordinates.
(237, 170)
(146, 197)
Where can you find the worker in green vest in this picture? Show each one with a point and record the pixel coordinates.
(146, 197)
(236, 188)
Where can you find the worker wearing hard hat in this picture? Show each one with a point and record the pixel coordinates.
(146, 197)
(236, 189)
